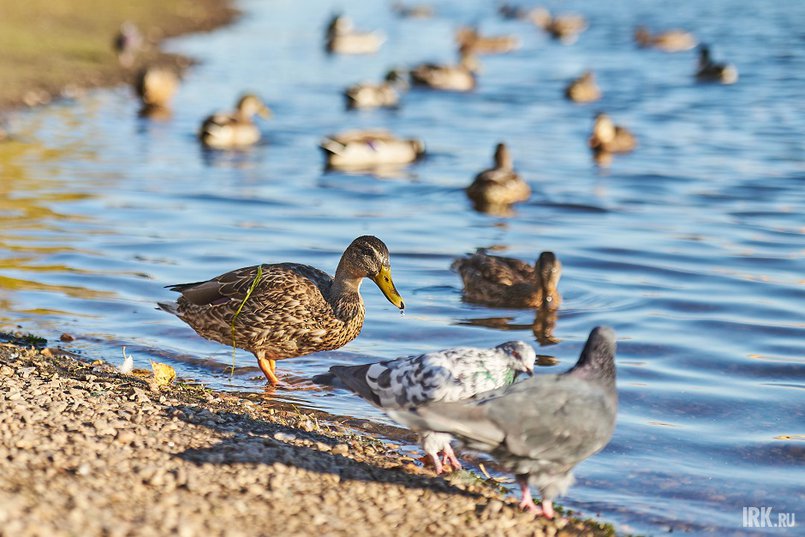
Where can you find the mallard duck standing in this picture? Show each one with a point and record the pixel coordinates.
(510, 283)
(286, 310)
(383, 95)
(461, 77)
(469, 37)
(500, 186)
(610, 138)
(710, 71)
(341, 38)
(583, 89)
(369, 149)
(226, 131)
(667, 41)
(155, 86)
(563, 28)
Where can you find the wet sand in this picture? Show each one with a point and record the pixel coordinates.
(87, 450)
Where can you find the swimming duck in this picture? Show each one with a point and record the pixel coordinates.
(384, 95)
(341, 38)
(709, 71)
(583, 89)
(155, 86)
(564, 28)
(368, 149)
(510, 283)
(610, 138)
(226, 131)
(667, 41)
(469, 37)
(461, 77)
(500, 186)
(412, 11)
(513, 12)
(285, 310)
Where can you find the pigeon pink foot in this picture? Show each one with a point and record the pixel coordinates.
(450, 458)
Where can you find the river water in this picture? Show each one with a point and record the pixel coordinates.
(691, 248)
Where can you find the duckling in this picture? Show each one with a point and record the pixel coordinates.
(496, 189)
(610, 138)
(341, 38)
(583, 89)
(564, 28)
(225, 131)
(369, 149)
(461, 77)
(155, 86)
(667, 41)
(510, 283)
(412, 11)
(384, 95)
(474, 41)
(710, 71)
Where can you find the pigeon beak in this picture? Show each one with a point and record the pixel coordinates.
(530, 372)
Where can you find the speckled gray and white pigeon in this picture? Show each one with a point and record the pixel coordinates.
(542, 427)
(442, 376)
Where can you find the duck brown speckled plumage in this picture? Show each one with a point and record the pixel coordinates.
(293, 310)
(510, 283)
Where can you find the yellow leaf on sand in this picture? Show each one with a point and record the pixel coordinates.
(163, 373)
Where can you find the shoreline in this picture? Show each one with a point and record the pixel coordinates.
(88, 450)
(52, 51)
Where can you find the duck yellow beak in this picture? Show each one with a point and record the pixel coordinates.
(386, 284)
(264, 112)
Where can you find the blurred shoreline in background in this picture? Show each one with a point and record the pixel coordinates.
(58, 49)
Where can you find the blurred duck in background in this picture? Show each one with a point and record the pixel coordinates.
(563, 28)
(461, 77)
(369, 149)
(584, 89)
(496, 189)
(236, 129)
(667, 41)
(341, 38)
(127, 44)
(469, 38)
(610, 138)
(155, 86)
(710, 71)
(383, 95)
(412, 11)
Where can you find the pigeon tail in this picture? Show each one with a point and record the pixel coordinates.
(353, 377)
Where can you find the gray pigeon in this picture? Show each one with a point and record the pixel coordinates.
(442, 376)
(542, 427)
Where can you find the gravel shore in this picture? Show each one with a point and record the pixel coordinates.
(88, 451)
